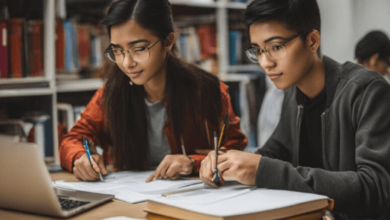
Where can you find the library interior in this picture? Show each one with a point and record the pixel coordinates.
(55, 58)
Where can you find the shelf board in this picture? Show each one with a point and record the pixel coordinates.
(244, 68)
(23, 80)
(79, 85)
(239, 77)
(25, 92)
(195, 3)
(236, 5)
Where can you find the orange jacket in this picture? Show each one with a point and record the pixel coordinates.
(92, 125)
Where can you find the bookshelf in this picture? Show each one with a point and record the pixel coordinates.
(222, 10)
(57, 87)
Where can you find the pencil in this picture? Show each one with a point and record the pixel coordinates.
(223, 130)
(183, 191)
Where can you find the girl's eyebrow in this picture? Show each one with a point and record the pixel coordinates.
(131, 43)
(138, 41)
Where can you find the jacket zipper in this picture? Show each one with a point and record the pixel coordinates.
(298, 130)
(323, 125)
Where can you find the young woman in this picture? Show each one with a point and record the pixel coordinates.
(154, 108)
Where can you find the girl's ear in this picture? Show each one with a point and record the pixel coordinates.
(170, 41)
(314, 40)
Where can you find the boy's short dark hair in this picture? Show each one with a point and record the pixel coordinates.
(297, 15)
(372, 43)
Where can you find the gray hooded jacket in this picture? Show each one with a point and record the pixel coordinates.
(355, 144)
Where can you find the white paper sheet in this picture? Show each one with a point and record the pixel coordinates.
(205, 194)
(129, 186)
(217, 202)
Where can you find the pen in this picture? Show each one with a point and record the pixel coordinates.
(90, 157)
(217, 179)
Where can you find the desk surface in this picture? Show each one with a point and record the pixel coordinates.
(113, 208)
(109, 209)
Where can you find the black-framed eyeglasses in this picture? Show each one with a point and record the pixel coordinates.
(138, 54)
(274, 50)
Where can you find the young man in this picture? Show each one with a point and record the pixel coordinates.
(333, 135)
(373, 52)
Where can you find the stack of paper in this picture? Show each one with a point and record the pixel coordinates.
(129, 186)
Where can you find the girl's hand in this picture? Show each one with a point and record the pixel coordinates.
(82, 168)
(171, 167)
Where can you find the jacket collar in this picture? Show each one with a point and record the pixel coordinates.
(332, 77)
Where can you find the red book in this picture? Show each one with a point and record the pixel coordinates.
(83, 36)
(60, 45)
(36, 40)
(15, 28)
(3, 50)
(207, 39)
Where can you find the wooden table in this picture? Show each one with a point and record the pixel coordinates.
(114, 208)
(109, 209)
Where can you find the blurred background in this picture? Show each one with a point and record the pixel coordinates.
(52, 58)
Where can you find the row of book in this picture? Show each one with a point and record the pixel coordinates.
(79, 46)
(21, 48)
(33, 127)
(197, 44)
(68, 114)
(36, 127)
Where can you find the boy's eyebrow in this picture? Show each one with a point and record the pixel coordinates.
(274, 38)
(269, 39)
(130, 43)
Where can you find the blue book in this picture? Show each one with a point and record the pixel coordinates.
(68, 40)
(184, 46)
(71, 47)
(235, 47)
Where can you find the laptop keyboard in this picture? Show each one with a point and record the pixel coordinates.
(69, 204)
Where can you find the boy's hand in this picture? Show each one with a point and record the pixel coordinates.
(232, 165)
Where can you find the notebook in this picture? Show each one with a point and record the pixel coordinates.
(235, 201)
(26, 185)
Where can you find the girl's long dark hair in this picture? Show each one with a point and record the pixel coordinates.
(191, 94)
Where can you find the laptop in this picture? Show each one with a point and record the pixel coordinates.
(26, 185)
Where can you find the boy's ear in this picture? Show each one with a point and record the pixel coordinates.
(314, 40)
(170, 40)
(373, 60)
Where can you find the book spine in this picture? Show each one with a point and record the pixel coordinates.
(60, 45)
(83, 45)
(3, 50)
(15, 47)
(208, 45)
(36, 48)
(232, 48)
